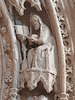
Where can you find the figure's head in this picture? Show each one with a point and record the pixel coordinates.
(34, 21)
(42, 97)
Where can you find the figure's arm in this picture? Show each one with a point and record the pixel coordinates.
(38, 41)
(22, 36)
(35, 42)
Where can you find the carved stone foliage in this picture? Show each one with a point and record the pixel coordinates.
(8, 93)
(8, 61)
(66, 43)
(19, 5)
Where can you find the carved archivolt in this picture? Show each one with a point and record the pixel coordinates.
(65, 36)
(67, 44)
(9, 48)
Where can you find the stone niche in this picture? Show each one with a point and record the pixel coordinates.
(36, 51)
(37, 60)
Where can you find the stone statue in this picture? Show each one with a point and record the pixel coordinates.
(40, 40)
(26, 61)
(40, 64)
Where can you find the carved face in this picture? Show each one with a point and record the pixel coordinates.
(35, 23)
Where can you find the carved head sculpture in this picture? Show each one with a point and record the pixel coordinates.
(34, 22)
(37, 24)
(42, 97)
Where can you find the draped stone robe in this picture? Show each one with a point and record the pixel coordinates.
(41, 60)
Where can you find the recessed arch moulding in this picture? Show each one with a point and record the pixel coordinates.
(32, 57)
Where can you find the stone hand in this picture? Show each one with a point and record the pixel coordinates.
(21, 36)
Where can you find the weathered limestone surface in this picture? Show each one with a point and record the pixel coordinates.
(37, 50)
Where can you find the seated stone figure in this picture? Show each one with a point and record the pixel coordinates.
(41, 56)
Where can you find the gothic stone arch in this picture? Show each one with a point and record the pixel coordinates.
(9, 49)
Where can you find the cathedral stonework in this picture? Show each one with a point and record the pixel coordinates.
(37, 50)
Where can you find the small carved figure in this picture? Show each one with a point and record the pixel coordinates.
(6, 92)
(3, 31)
(0, 14)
